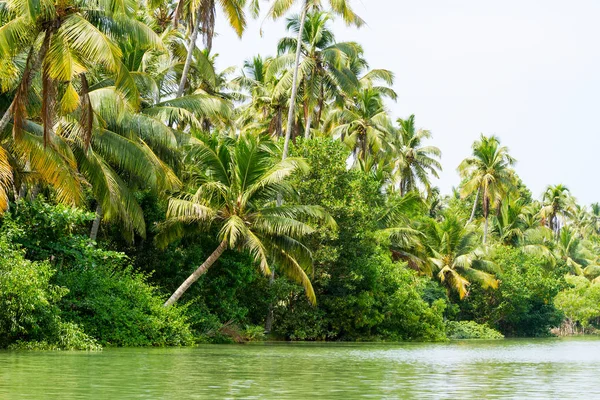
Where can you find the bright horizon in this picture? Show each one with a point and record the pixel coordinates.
(526, 72)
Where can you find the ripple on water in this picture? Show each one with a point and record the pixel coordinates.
(467, 370)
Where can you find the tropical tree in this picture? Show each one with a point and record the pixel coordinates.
(414, 163)
(324, 72)
(281, 7)
(56, 49)
(264, 110)
(202, 13)
(363, 127)
(508, 224)
(455, 257)
(557, 202)
(234, 182)
(488, 173)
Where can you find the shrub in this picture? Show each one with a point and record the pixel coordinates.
(99, 291)
(118, 307)
(29, 315)
(470, 330)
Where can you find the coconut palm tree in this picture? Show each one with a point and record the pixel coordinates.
(509, 224)
(280, 8)
(234, 182)
(488, 173)
(557, 202)
(53, 47)
(414, 163)
(363, 127)
(264, 111)
(324, 72)
(201, 13)
(455, 257)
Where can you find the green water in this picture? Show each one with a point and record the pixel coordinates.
(543, 368)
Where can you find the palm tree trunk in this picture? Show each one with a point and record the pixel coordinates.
(290, 121)
(191, 47)
(307, 128)
(30, 69)
(96, 224)
(6, 117)
(288, 134)
(485, 230)
(474, 206)
(197, 273)
(486, 214)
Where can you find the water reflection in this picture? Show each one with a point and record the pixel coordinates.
(466, 370)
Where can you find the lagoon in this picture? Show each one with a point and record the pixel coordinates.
(511, 368)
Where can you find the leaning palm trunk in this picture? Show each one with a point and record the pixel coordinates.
(197, 273)
(191, 47)
(290, 121)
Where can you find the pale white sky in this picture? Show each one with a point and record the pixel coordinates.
(525, 70)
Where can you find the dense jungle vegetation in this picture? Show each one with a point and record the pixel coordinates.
(149, 199)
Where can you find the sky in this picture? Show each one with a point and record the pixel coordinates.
(527, 71)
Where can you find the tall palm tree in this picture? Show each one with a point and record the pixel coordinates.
(281, 7)
(364, 126)
(324, 72)
(487, 172)
(557, 203)
(201, 13)
(264, 111)
(233, 183)
(56, 45)
(414, 162)
(455, 256)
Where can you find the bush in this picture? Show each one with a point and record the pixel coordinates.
(103, 294)
(580, 302)
(118, 307)
(362, 294)
(470, 330)
(29, 315)
(523, 304)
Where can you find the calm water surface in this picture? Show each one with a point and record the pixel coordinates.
(543, 368)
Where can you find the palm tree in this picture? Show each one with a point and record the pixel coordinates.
(557, 202)
(233, 185)
(364, 126)
(454, 254)
(264, 111)
(488, 173)
(281, 7)
(595, 214)
(202, 13)
(59, 44)
(324, 72)
(510, 222)
(414, 162)
(574, 250)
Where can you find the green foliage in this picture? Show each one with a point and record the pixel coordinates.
(523, 304)
(470, 330)
(580, 302)
(110, 300)
(29, 314)
(362, 293)
(117, 306)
